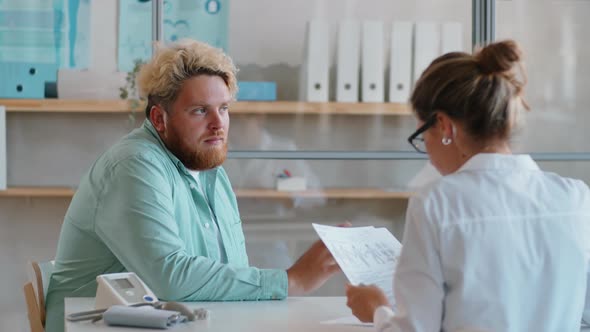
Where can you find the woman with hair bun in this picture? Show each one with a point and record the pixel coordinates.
(496, 244)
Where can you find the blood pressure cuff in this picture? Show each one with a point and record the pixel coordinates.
(145, 316)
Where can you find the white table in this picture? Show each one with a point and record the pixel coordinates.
(293, 314)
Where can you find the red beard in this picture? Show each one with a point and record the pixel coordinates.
(193, 158)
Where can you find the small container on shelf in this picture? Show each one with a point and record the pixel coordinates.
(287, 182)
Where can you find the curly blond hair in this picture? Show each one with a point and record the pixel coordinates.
(161, 78)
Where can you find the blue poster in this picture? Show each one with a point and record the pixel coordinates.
(203, 20)
(53, 32)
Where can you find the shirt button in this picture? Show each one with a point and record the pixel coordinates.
(207, 225)
(192, 186)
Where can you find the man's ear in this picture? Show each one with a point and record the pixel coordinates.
(158, 118)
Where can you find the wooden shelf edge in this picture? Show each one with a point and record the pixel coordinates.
(67, 105)
(37, 192)
(343, 193)
(241, 107)
(333, 193)
(299, 107)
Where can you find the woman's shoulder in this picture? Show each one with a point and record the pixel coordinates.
(575, 190)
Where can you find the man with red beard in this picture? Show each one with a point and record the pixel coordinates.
(158, 203)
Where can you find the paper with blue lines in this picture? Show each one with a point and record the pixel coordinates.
(45, 31)
(366, 255)
(204, 20)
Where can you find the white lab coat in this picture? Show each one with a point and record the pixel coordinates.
(498, 245)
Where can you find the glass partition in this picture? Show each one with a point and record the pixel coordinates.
(556, 44)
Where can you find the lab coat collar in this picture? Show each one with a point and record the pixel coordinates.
(491, 161)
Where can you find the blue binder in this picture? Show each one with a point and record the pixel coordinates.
(262, 91)
(25, 80)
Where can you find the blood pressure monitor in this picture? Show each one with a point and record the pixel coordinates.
(122, 288)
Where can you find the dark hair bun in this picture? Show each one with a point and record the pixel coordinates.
(498, 57)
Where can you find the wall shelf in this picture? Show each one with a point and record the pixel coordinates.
(296, 107)
(244, 107)
(44, 192)
(66, 105)
(336, 193)
(342, 193)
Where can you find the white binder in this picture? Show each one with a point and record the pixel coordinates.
(426, 46)
(400, 70)
(3, 161)
(348, 61)
(372, 63)
(451, 37)
(317, 61)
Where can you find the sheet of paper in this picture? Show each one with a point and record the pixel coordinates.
(348, 320)
(366, 255)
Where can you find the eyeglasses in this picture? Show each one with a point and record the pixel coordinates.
(416, 139)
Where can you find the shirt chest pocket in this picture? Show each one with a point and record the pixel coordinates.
(237, 232)
(230, 217)
(237, 254)
(230, 225)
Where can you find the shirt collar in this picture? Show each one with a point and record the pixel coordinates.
(496, 161)
(147, 125)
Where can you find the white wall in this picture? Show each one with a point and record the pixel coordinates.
(28, 231)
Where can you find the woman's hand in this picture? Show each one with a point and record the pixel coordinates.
(364, 300)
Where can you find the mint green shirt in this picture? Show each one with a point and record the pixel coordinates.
(139, 209)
